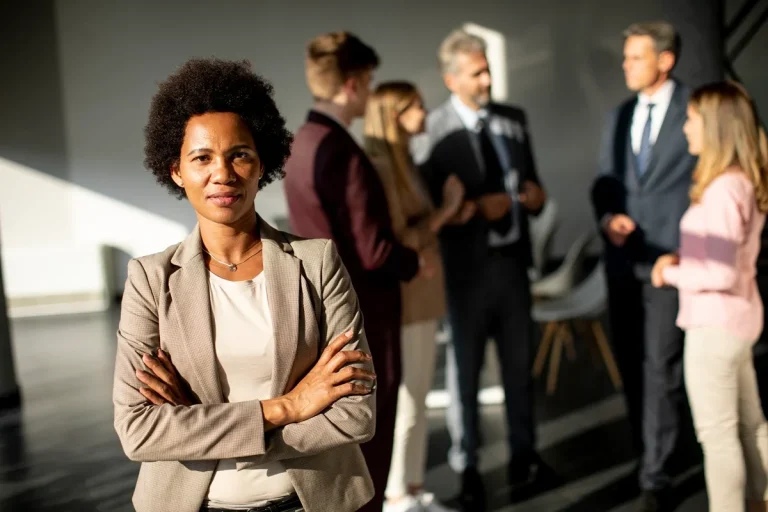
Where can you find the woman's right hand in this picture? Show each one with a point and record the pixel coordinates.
(453, 200)
(657, 273)
(453, 195)
(330, 379)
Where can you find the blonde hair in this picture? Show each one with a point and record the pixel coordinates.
(333, 58)
(458, 41)
(384, 139)
(732, 138)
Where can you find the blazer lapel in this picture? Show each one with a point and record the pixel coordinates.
(631, 178)
(283, 277)
(465, 144)
(192, 305)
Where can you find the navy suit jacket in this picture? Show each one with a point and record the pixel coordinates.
(656, 200)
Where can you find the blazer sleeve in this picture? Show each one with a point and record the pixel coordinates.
(151, 433)
(351, 420)
(607, 190)
(375, 242)
(531, 172)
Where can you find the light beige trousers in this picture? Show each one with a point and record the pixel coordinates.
(410, 445)
(730, 425)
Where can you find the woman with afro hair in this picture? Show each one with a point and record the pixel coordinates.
(243, 378)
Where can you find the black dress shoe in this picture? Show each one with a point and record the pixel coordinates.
(472, 496)
(529, 469)
(522, 470)
(654, 501)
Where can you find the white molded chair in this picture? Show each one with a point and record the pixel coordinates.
(588, 301)
(542, 228)
(562, 280)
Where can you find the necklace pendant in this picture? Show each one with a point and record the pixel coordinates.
(232, 267)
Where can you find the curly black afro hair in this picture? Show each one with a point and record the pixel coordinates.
(214, 85)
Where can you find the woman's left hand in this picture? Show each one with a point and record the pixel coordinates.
(165, 385)
(657, 274)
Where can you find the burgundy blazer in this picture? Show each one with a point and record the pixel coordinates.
(333, 191)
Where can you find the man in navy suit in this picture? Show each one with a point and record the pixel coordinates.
(639, 197)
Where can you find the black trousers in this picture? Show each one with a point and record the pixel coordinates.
(490, 300)
(649, 351)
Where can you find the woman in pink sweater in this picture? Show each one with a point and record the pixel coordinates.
(720, 306)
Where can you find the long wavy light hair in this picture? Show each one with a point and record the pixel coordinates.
(384, 139)
(732, 138)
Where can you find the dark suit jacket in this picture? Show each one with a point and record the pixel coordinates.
(446, 148)
(657, 200)
(334, 192)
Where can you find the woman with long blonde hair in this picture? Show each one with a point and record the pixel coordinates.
(395, 113)
(720, 306)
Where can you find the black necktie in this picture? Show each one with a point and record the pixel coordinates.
(494, 176)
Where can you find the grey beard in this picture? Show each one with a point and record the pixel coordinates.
(482, 101)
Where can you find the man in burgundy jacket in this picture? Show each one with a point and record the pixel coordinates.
(334, 192)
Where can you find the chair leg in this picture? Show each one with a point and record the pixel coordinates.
(605, 351)
(546, 343)
(583, 330)
(597, 358)
(554, 363)
(570, 349)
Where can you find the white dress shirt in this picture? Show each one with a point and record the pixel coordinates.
(661, 100)
(472, 121)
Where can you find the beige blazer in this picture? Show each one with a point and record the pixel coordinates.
(423, 299)
(166, 305)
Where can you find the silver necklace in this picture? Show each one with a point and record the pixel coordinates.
(233, 266)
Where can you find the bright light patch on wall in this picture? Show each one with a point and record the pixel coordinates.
(496, 53)
(57, 241)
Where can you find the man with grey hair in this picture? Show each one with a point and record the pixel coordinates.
(639, 197)
(486, 254)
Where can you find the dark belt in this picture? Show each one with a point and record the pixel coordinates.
(515, 249)
(283, 505)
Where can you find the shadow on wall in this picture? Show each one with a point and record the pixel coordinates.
(118, 265)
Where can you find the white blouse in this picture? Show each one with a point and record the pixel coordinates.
(245, 348)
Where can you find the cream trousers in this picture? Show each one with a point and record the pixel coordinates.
(410, 444)
(730, 425)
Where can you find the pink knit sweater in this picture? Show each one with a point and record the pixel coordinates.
(720, 241)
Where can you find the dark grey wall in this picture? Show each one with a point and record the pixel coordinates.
(564, 62)
(752, 64)
(31, 108)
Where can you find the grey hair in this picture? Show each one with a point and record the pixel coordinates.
(664, 35)
(458, 41)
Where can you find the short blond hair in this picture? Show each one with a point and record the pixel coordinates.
(333, 58)
(458, 41)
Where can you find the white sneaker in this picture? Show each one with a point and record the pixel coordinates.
(430, 504)
(406, 504)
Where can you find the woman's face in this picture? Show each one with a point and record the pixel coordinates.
(694, 131)
(219, 167)
(412, 118)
